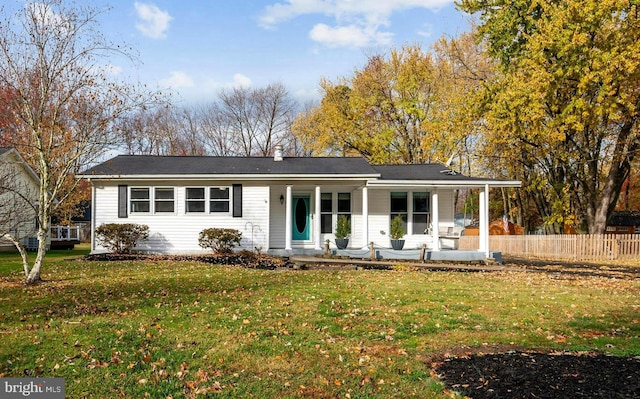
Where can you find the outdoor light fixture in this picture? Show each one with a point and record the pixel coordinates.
(281, 199)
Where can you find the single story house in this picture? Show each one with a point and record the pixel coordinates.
(624, 222)
(281, 205)
(19, 189)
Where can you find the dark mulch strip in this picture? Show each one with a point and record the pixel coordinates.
(517, 374)
(243, 259)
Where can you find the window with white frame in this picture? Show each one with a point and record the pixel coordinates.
(326, 213)
(195, 200)
(164, 201)
(219, 199)
(140, 200)
(421, 217)
(399, 207)
(344, 205)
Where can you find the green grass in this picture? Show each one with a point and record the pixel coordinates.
(183, 330)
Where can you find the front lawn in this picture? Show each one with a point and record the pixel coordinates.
(184, 329)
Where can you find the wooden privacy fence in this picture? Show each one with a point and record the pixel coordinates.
(568, 247)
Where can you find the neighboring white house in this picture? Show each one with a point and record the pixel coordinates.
(282, 204)
(19, 187)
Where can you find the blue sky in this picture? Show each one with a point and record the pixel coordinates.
(198, 47)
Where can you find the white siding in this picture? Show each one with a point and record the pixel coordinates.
(356, 240)
(20, 219)
(178, 232)
(263, 221)
(379, 220)
(277, 217)
(445, 204)
(379, 205)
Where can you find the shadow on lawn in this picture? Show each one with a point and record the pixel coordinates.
(578, 269)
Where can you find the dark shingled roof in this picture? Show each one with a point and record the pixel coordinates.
(207, 165)
(625, 218)
(433, 171)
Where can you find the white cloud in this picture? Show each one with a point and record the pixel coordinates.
(241, 80)
(177, 80)
(44, 14)
(113, 70)
(426, 30)
(348, 36)
(362, 19)
(279, 12)
(154, 22)
(237, 80)
(312, 96)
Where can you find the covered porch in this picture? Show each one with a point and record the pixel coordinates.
(370, 215)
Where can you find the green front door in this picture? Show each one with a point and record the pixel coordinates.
(301, 221)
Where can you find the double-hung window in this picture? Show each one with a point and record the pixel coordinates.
(421, 217)
(399, 207)
(326, 213)
(152, 199)
(344, 205)
(164, 200)
(195, 201)
(140, 200)
(219, 199)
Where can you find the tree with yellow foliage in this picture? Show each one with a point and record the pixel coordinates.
(563, 113)
(407, 107)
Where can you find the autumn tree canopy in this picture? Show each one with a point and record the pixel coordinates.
(401, 108)
(563, 113)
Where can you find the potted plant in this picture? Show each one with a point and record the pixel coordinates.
(396, 233)
(343, 229)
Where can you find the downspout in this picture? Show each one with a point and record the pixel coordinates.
(93, 216)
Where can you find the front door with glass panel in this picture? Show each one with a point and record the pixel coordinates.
(301, 221)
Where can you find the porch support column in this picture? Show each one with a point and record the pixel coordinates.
(484, 221)
(487, 221)
(365, 217)
(435, 220)
(316, 225)
(287, 220)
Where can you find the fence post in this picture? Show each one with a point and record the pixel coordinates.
(577, 248)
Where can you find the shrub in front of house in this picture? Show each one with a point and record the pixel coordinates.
(220, 241)
(121, 238)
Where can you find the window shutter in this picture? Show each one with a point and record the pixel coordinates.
(122, 201)
(237, 200)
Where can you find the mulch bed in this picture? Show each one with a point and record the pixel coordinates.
(243, 259)
(524, 374)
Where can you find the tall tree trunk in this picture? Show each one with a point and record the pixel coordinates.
(34, 275)
(600, 208)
